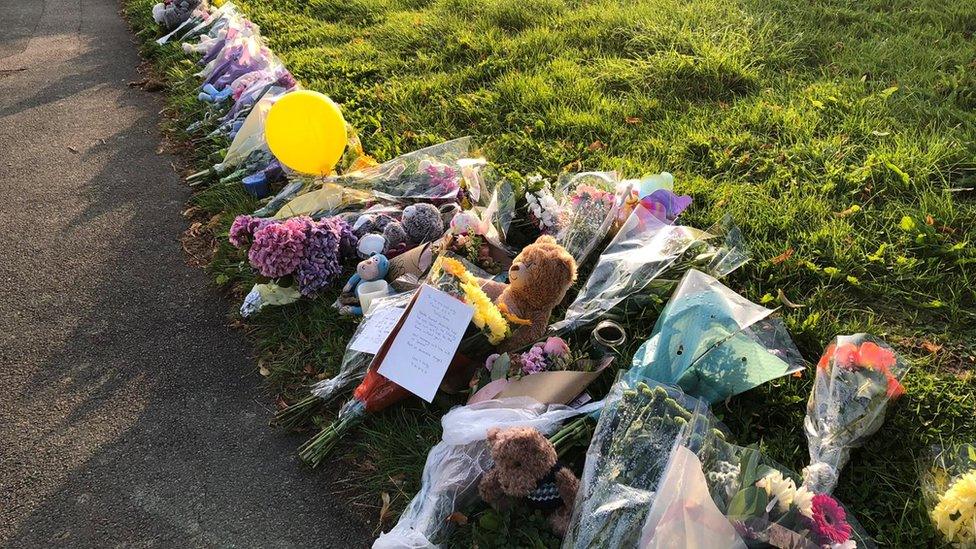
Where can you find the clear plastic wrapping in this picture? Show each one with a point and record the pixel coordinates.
(714, 343)
(857, 376)
(644, 250)
(717, 495)
(355, 362)
(456, 464)
(948, 477)
(589, 203)
(640, 423)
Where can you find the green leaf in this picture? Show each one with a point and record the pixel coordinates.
(748, 502)
(500, 368)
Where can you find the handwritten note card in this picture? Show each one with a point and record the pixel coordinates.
(423, 348)
(375, 329)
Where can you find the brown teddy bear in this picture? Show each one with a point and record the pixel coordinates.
(526, 467)
(538, 280)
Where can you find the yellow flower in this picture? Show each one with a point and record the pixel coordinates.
(955, 514)
(486, 314)
(453, 266)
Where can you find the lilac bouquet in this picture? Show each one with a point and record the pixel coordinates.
(310, 252)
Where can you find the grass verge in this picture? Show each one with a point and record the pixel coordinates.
(839, 137)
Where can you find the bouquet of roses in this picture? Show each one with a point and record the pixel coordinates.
(299, 253)
(949, 486)
(857, 377)
(639, 425)
(549, 372)
(489, 327)
(589, 208)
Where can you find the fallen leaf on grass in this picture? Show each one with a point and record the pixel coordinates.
(931, 347)
(458, 518)
(596, 145)
(309, 369)
(929, 220)
(280, 402)
(632, 120)
(264, 371)
(782, 257)
(385, 509)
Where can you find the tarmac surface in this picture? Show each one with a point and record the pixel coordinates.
(130, 413)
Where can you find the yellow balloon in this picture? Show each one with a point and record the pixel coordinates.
(305, 131)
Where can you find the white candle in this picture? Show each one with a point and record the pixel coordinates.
(368, 291)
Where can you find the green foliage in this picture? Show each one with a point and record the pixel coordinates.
(840, 137)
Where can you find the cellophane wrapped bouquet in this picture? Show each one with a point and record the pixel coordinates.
(456, 464)
(355, 361)
(639, 425)
(857, 377)
(489, 327)
(948, 478)
(647, 256)
(588, 208)
(762, 502)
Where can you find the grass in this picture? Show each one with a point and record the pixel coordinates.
(838, 136)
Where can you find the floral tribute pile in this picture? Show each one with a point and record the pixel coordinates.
(656, 468)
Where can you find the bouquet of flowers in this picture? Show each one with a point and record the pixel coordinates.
(639, 425)
(655, 193)
(489, 327)
(713, 493)
(649, 256)
(714, 343)
(949, 486)
(590, 206)
(309, 253)
(377, 321)
(548, 371)
(857, 377)
(544, 211)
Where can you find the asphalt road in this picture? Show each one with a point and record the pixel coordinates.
(130, 414)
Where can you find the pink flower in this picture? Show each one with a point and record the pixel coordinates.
(490, 361)
(829, 521)
(278, 248)
(556, 346)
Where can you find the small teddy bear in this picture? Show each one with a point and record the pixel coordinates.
(538, 280)
(525, 466)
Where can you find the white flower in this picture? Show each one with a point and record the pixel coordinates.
(803, 500)
(849, 544)
(780, 488)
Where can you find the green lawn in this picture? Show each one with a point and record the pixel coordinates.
(839, 136)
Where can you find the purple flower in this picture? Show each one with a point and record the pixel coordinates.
(320, 265)
(534, 360)
(347, 239)
(442, 177)
(278, 247)
(243, 229)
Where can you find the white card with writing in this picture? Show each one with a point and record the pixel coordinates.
(375, 329)
(423, 348)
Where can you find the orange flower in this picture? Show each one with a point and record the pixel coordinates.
(875, 356)
(828, 354)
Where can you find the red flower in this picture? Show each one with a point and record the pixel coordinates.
(875, 356)
(829, 521)
(828, 354)
(846, 356)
